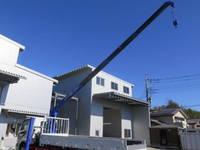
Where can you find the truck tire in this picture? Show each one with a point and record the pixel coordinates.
(22, 146)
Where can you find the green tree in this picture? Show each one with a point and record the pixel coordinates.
(172, 104)
(192, 114)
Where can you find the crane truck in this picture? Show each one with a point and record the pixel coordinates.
(52, 133)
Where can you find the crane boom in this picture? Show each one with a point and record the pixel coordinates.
(54, 111)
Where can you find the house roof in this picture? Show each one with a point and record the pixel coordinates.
(166, 126)
(193, 121)
(168, 112)
(156, 121)
(120, 98)
(74, 72)
(162, 125)
(83, 69)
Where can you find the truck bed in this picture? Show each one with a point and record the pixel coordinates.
(91, 143)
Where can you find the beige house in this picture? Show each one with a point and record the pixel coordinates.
(165, 127)
(172, 116)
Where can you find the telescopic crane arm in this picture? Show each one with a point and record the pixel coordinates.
(55, 110)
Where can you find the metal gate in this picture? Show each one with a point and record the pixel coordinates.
(190, 140)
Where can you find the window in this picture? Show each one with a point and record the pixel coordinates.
(1, 90)
(127, 133)
(114, 86)
(97, 132)
(178, 119)
(100, 81)
(126, 90)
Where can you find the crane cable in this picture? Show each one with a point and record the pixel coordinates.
(174, 18)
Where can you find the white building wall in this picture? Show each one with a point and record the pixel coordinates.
(96, 119)
(107, 87)
(96, 122)
(9, 51)
(32, 94)
(127, 120)
(93, 109)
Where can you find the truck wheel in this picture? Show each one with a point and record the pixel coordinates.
(22, 146)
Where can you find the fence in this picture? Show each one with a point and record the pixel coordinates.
(190, 140)
(54, 125)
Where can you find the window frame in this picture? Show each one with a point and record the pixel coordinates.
(179, 119)
(1, 90)
(97, 132)
(114, 86)
(127, 88)
(100, 81)
(127, 133)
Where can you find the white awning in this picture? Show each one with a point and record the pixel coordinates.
(117, 97)
(26, 112)
(9, 77)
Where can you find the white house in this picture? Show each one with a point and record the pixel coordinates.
(105, 106)
(22, 91)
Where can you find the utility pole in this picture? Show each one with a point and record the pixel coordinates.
(148, 90)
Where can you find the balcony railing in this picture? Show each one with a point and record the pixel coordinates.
(54, 125)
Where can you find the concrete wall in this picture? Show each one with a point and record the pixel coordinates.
(66, 86)
(141, 123)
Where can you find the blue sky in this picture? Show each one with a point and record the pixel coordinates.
(61, 35)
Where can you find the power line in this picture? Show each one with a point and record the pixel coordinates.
(175, 78)
(189, 106)
(158, 85)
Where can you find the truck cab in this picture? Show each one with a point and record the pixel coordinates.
(22, 134)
